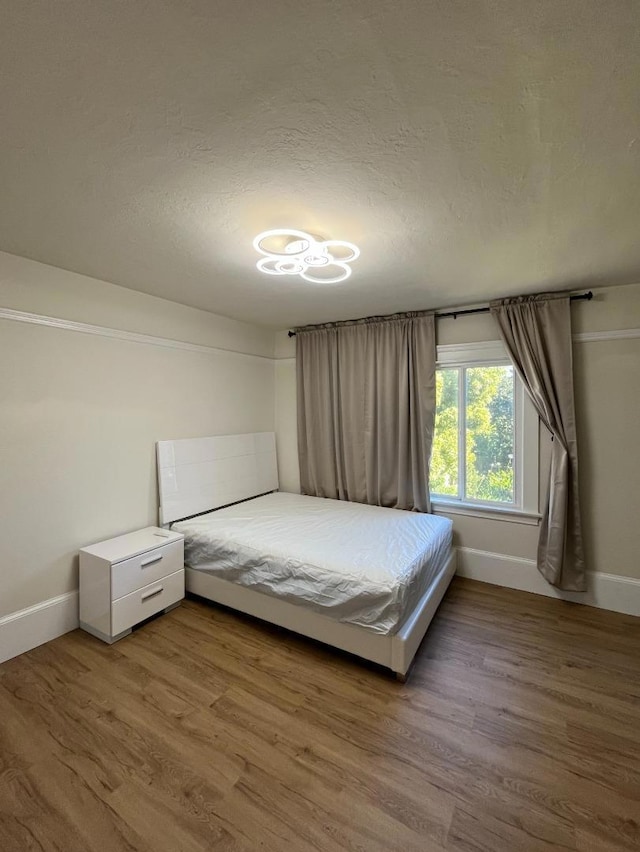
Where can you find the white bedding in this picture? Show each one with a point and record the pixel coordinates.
(355, 563)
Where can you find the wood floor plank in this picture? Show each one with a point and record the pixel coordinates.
(325, 757)
(49, 806)
(478, 832)
(165, 825)
(518, 731)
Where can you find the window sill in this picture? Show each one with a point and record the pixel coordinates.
(514, 516)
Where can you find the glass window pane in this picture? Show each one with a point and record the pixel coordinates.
(490, 433)
(444, 453)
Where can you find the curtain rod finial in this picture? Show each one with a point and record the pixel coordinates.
(291, 333)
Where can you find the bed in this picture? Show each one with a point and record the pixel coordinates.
(361, 578)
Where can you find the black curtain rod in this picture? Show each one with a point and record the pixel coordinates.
(583, 297)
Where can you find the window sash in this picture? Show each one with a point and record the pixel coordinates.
(526, 437)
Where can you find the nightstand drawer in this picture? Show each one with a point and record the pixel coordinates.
(146, 568)
(144, 602)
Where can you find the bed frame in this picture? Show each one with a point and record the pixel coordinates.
(197, 475)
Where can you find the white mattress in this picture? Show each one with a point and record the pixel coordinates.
(359, 564)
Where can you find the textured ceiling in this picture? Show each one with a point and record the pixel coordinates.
(471, 149)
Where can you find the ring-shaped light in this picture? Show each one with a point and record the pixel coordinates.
(270, 270)
(302, 254)
(355, 251)
(281, 232)
(290, 267)
(316, 260)
(337, 279)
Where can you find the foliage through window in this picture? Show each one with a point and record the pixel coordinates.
(474, 448)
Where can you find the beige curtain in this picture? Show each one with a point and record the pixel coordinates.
(537, 333)
(366, 408)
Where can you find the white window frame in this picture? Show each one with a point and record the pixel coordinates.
(525, 507)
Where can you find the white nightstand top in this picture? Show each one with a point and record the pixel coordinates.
(132, 544)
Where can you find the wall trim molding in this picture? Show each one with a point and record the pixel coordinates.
(617, 334)
(170, 343)
(445, 350)
(457, 353)
(26, 629)
(121, 334)
(605, 591)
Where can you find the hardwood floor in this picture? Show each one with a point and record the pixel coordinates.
(518, 730)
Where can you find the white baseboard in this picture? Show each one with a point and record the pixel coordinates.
(21, 631)
(605, 591)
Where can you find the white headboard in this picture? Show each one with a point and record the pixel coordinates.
(199, 474)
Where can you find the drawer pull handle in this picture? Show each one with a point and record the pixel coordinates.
(151, 561)
(147, 595)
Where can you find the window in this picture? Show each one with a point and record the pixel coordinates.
(485, 447)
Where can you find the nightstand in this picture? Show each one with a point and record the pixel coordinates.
(129, 578)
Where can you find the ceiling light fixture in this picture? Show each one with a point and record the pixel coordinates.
(290, 252)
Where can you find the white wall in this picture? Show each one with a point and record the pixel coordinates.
(285, 413)
(607, 379)
(80, 414)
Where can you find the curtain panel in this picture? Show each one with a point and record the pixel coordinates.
(536, 331)
(366, 410)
